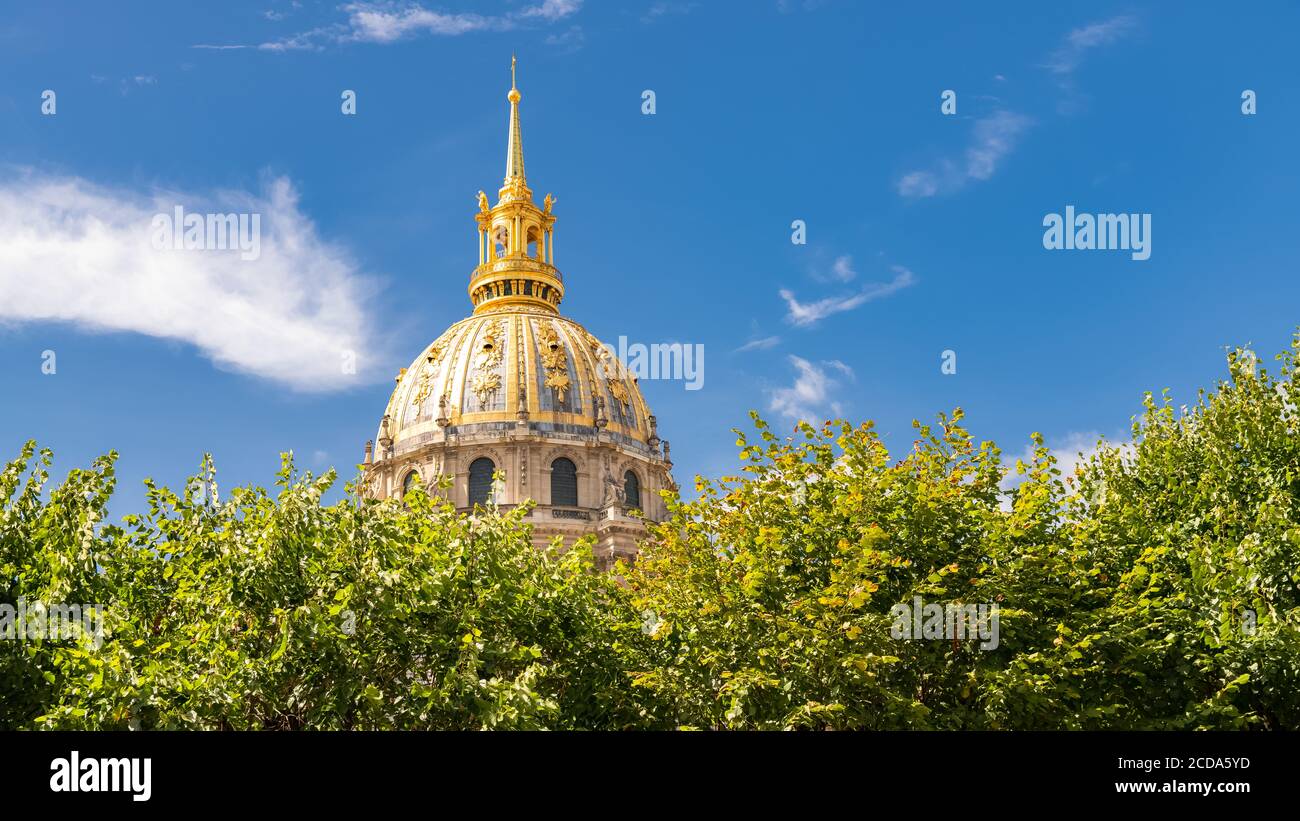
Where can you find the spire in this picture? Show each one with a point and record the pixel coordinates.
(515, 150)
(516, 238)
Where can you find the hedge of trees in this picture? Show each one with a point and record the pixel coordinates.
(1156, 587)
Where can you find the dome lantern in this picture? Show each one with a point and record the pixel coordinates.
(516, 239)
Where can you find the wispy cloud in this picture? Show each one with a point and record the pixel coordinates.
(803, 314)
(372, 23)
(992, 139)
(1066, 59)
(390, 22)
(552, 10)
(841, 270)
(567, 41)
(811, 396)
(761, 344)
(1070, 451)
(125, 84)
(788, 6)
(665, 8)
(81, 253)
(274, 15)
(1070, 54)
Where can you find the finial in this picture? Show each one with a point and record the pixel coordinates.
(514, 142)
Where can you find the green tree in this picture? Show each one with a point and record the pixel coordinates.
(1156, 587)
(261, 612)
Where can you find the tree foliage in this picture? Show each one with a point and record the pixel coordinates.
(1157, 586)
(261, 612)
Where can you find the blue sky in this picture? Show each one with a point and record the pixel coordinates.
(924, 230)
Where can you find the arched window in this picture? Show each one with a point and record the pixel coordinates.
(564, 483)
(480, 480)
(409, 481)
(631, 490)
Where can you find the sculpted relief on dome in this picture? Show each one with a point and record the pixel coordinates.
(556, 362)
(427, 373)
(488, 374)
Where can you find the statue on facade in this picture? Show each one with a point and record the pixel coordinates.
(614, 493)
(442, 420)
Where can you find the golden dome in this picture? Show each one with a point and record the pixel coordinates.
(516, 361)
(518, 404)
(495, 369)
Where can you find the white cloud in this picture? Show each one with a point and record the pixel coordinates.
(1070, 54)
(788, 6)
(842, 269)
(992, 139)
(76, 252)
(804, 314)
(811, 396)
(390, 22)
(663, 8)
(1069, 451)
(125, 84)
(918, 184)
(760, 344)
(841, 367)
(568, 41)
(995, 136)
(1067, 58)
(374, 23)
(552, 10)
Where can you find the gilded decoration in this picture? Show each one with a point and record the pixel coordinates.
(487, 362)
(555, 360)
(618, 391)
